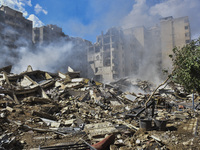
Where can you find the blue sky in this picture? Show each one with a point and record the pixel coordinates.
(87, 18)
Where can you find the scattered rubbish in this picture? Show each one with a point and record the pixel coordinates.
(42, 110)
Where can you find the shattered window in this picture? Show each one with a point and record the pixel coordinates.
(97, 57)
(97, 49)
(115, 39)
(91, 48)
(107, 40)
(106, 55)
(98, 77)
(186, 27)
(91, 62)
(113, 46)
(96, 70)
(107, 62)
(107, 47)
(187, 41)
(187, 34)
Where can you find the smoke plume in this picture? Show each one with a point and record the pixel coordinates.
(149, 15)
(105, 15)
(52, 57)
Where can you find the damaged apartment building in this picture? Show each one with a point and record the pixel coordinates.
(123, 52)
(116, 53)
(17, 31)
(14, 28)
(53, 35)
(119, 52)
(106, 56)
(47, 34)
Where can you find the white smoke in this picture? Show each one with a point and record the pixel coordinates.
(54, 56)
(49, 58)
(145, 15)
(148, 15)
(139, 16)
(112, 13)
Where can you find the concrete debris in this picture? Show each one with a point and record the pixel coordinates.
(42, 110)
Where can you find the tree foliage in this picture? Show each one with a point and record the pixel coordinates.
(186, 64)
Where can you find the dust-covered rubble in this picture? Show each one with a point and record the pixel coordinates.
(42, 110)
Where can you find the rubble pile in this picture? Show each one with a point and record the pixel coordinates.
(129, 83)
(41, 110)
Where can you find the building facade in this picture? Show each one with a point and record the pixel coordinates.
(75, 49)
(106, 55)
(174, 32)
(47, 34)
(77, 58)
(137, 50)
(14, 28)
(113, 56)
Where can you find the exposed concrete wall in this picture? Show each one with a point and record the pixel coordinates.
(174, 32)
(14, 21)
(115, 57)
(47, 34)
(126, 52)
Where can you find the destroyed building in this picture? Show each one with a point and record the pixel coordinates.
(55, 111)
(17, 35)
(53, 35)
(14, 27)
(109, 56)
(148, 47)
(77, 59)
(137, 48)
(117, 53)
(43, 110)
(47, 34)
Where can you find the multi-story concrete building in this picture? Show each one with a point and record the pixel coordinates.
(2, 21)
(147, 50)
(47, 34)
(113, 56)
(103, 54)
(134, 44)
(77, 56)
(137, 50)
(14, 27)
(76, 51)
(174, 32)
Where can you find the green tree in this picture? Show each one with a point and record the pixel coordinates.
(186, 64)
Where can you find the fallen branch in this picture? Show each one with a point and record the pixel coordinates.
(156, 90)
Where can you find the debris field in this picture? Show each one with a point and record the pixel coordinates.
(51, 111)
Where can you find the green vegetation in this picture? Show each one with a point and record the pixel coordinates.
(186, 63)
